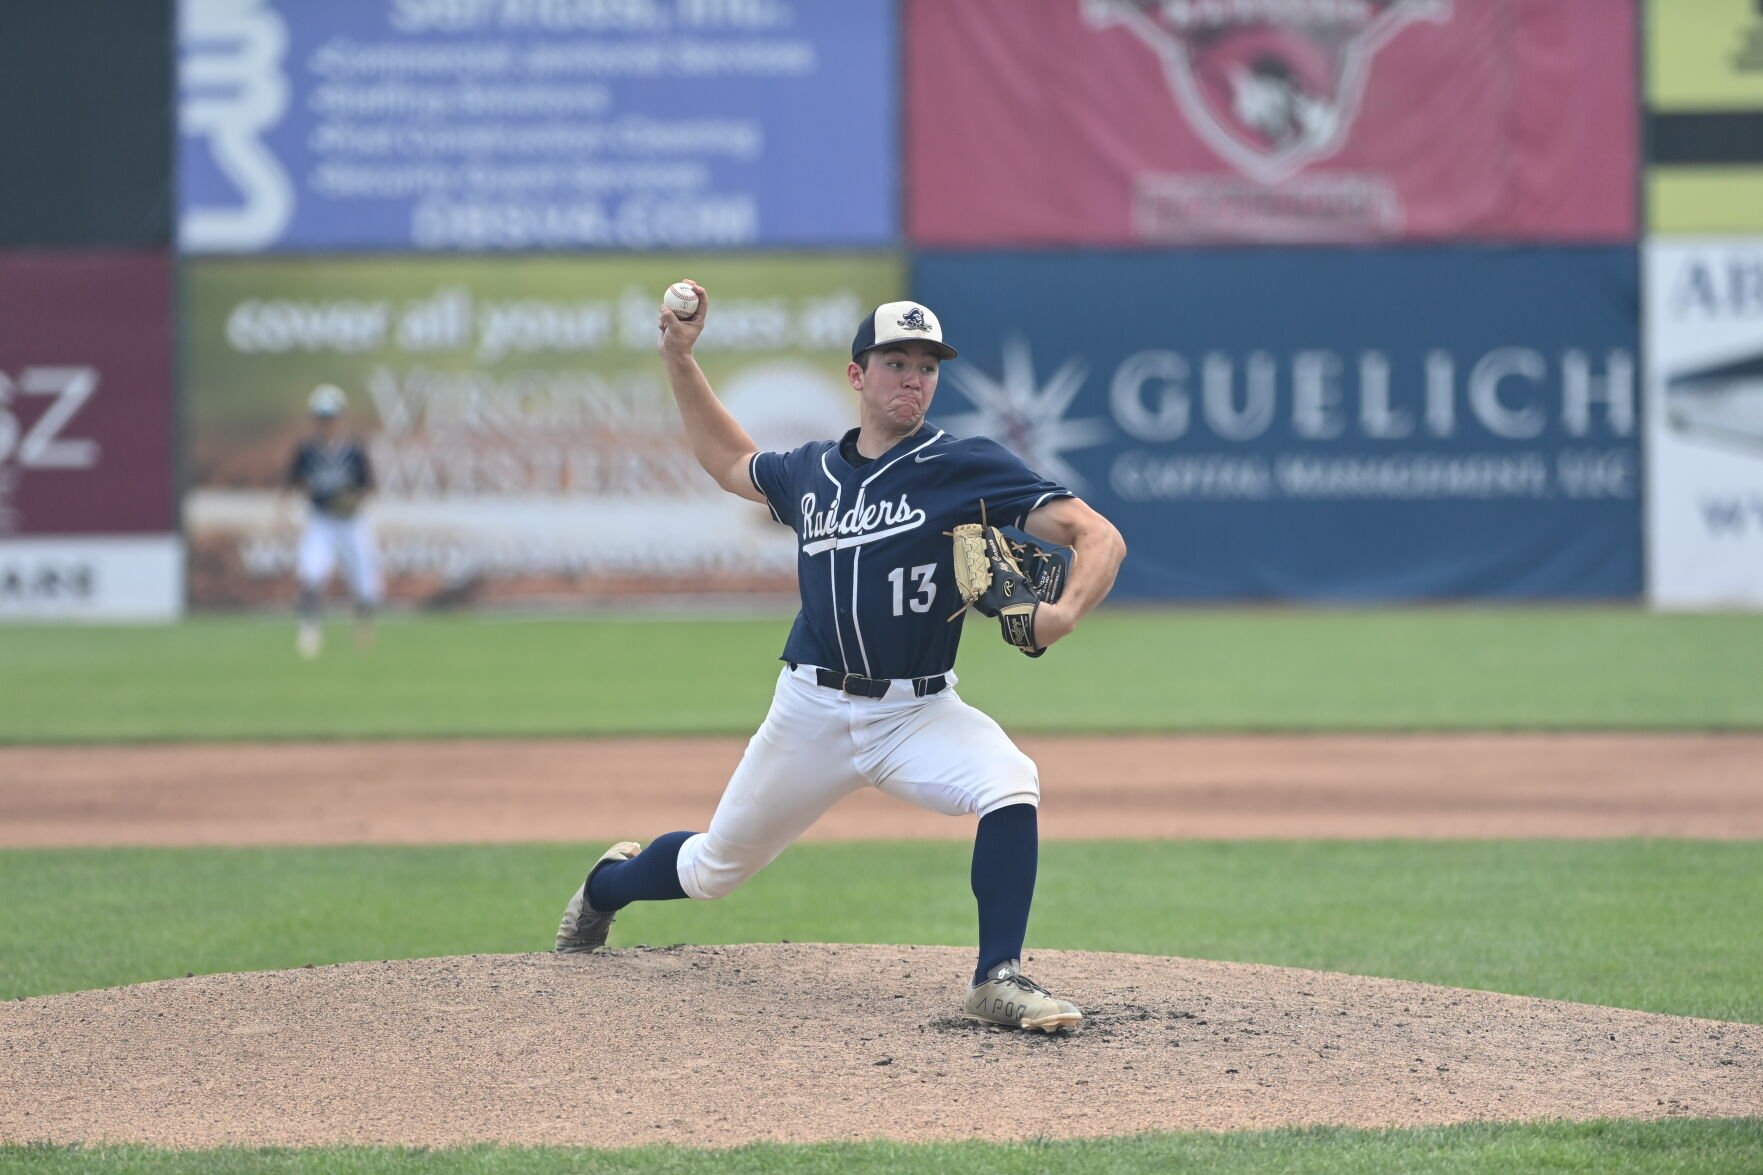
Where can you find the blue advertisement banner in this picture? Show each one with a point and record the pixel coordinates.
(440, 124)
(1439, 423)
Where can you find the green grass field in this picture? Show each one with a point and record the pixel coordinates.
(1638, 924)
(1655, 925)
(1654, 1148)
(1486, 669)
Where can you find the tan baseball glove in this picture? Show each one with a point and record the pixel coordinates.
(997, 575)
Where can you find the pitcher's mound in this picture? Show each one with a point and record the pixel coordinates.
(795, 1042)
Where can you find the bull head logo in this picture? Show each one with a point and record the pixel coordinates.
(1271, 85)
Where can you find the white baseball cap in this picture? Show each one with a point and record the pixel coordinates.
(900, 322)
(326, 400)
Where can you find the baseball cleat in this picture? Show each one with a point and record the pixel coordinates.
(1010, 998)
(584, 928)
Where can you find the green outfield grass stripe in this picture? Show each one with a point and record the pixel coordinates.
(442, 677)
(1684, 1145)
(1662, 926)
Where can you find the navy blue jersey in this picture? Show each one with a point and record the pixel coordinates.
(875, 568)
(324, 471)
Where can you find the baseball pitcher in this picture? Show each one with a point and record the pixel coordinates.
(897, 534)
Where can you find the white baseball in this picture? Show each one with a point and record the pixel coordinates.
(681, 299)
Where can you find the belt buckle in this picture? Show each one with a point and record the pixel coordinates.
(845, 684)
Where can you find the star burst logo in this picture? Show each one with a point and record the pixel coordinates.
(1026, 416)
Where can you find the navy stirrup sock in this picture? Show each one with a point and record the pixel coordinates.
(650, 876)
(1005, 854)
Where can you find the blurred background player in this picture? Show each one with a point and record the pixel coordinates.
(332, 470)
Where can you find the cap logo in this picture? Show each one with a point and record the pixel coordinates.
(913, 319)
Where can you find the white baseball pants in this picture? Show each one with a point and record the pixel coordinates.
(818, 745)
(327, 538)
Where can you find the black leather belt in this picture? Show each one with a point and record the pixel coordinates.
(875, 687)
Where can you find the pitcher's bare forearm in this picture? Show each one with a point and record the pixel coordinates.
(1096, 555)
(1097, 550)
(718, 441)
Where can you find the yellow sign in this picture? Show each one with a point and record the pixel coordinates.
(1704, 55)
(1705, 199)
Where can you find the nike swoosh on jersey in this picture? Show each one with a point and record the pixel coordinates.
(923, 457)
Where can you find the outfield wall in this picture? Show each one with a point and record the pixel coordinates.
(1319, 301)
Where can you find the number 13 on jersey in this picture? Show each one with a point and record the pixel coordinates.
(925, 588)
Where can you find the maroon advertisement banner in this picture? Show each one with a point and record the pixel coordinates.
(86, 406)
(1125, 122)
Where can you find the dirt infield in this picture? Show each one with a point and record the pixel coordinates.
(1579, 785)
(714, 1046)
(799, 1043)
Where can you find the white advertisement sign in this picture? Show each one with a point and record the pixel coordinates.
(1704, 422)
(123, 577)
